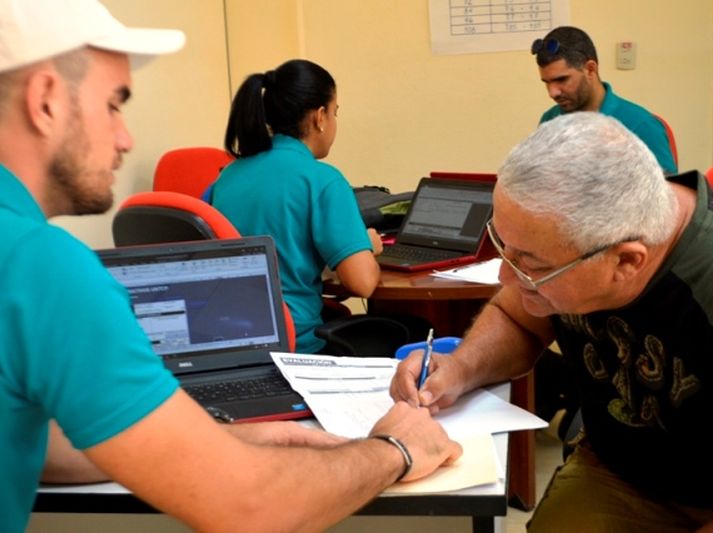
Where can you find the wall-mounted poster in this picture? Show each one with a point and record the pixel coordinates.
(471, 26)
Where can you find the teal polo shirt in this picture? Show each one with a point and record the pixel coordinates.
(308, 208)
(637, 120)
(70, 349)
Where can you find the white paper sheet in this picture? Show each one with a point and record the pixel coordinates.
(349, 394)
(485, 272)
(477, 466)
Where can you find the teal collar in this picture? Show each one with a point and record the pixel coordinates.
(285, 142)
(15, 197)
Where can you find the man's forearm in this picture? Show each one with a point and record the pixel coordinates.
(501, 344)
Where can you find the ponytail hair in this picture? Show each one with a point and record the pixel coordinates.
(276, 102)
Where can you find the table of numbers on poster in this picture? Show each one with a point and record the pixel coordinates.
(477, 17)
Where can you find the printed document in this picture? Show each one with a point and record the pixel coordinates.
(349, 394)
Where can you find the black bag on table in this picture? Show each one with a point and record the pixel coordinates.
(380, 209)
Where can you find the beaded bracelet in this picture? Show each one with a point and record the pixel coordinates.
(408, 460)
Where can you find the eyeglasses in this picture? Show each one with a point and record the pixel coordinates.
(526, 280)
(551, 46)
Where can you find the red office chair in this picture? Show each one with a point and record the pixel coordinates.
(671, 138)
(190, 170)
(709, 177)
(164, 216)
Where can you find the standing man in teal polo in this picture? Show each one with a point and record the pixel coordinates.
(569, 68)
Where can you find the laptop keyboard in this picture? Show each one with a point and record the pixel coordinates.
(240, 389)
(418, 254)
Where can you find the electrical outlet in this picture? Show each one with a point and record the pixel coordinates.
(626, 55)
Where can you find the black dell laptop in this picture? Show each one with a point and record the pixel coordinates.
(213, 311)
(444, 226)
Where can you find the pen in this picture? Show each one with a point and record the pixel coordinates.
(426, 359)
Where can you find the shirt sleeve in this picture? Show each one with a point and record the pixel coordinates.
(82, 355)
(338, 228)
(653, 133)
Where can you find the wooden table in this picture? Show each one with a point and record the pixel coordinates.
(450, 306)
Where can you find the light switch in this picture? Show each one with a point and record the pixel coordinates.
(626, 55)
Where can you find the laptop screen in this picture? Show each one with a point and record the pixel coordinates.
(448, 213)
(204, 305)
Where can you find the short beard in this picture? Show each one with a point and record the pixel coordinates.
(583, 96)
(67, 174)
(71, 181)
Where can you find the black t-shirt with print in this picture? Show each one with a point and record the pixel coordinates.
(645, 371)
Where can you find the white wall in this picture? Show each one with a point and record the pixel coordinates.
(177, 100)
(403, 111)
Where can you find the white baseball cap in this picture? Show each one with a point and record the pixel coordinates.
(35, 30)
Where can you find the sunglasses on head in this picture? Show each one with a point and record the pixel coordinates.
(551, 46)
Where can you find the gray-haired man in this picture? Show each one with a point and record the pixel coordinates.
(620, 273)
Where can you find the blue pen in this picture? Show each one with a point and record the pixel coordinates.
(426, 359)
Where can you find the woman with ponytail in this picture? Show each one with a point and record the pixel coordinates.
(282, 122)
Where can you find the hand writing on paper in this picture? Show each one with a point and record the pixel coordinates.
(441, 389)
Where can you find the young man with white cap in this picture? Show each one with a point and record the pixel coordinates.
(64, 77)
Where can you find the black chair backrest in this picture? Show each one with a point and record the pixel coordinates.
(363, 335)
(154, 224)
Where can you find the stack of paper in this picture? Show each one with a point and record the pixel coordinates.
(349, 394)
(485, 272)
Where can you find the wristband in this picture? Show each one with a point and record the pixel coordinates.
(408, 461)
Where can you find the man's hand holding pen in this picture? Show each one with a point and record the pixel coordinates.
(442, 387)
(426, 360)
